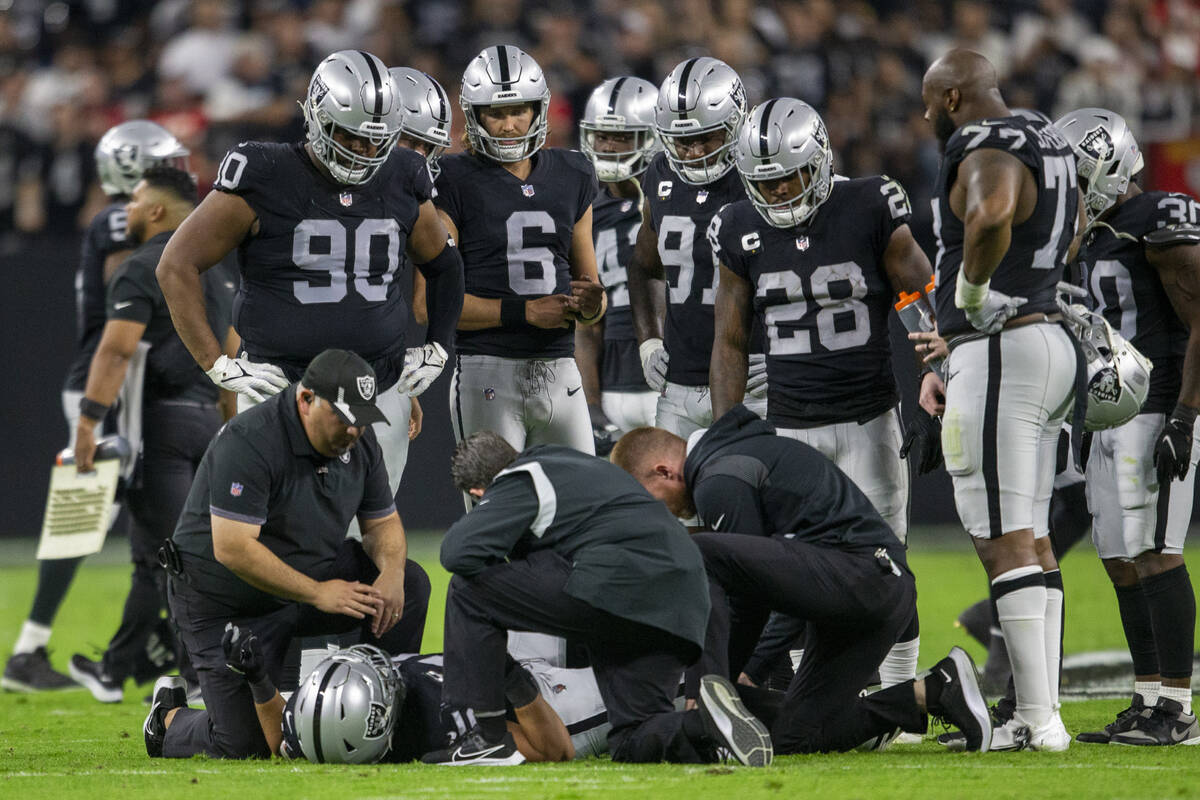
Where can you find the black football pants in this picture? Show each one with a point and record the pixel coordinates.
(637, 667)
(175, 435)
(228, 725)
(856, 607)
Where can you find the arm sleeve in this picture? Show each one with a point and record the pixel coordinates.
(488, 533)
(239, 479)
(726, 247)
(729, 505)
(892, 209)
(445, 284)
(421, 181)
(378, 500)
(247, 171)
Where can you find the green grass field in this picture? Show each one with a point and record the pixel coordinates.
(66, 745)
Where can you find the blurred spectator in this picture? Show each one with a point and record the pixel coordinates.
(204, 52)
(1106, 79)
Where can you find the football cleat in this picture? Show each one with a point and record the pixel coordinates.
(169, 692)
(731, 725)
(960, 703)
(472, 750)
(1164, 725)
(1051, 737)
(92, 675)
(1125, 721)
(1006, 734)
(31, 672)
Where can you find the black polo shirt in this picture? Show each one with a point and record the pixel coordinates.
(261, 469)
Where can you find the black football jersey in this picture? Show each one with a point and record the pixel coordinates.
(681, 214)
(324, 269)
(1037, 254)
(1126, 289)
(515, 239)
(104, 236)
(615, 225)
(823, 296)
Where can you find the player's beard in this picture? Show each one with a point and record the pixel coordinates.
(943, 128)
(136, 232)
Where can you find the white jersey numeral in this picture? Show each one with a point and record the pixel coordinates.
(833, 309)
(321, 246)
(613, 274)
(521, 257)
(1058, 174)
(682, 257)
(1112, 286)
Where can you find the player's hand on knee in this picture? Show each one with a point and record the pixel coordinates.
(756, 375)
(422, 365)
(654, 363)
(352, 599)
(257, 381)
(243, 653)
(551, 311)
(923, 442)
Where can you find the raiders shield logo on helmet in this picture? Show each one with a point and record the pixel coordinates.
(1104, 386)
(366, 386)
(1098, 143)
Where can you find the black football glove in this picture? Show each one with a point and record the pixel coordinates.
(603, 431)
(923, 440)
(243, 653)
(1173, 453)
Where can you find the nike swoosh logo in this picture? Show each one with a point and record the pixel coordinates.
(571, 392)
(1179, 734)
(478, 754)
(717, 524)
(123, 304)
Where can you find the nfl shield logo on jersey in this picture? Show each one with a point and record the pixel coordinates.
(489, 393)
(235, 489)
(527, 190)
(366, 386)
(701, 196)
(802, 243)
(346, 199)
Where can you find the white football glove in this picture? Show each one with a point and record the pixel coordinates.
(654, 363)
(422, 365)
(986, 309)
(258, 381)
(756, 377)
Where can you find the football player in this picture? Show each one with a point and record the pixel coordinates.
(821, 274)
(123, 153)
(1012, 368)
(701, 104)
(1143, 268)
(522, 216)
(319, 227)
(617, 134)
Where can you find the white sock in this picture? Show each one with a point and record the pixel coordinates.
(1022, 614)
(900, 664)
(32, 637)
(1180, 694)
(1054, 626)
(1148, 690)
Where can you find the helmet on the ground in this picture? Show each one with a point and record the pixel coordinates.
(504, 75)
(700, 95)
(624, 106)
(127, 150)
(345, 710)
(1106, 155)
(780, 138)
(427, 114)
(352, 94)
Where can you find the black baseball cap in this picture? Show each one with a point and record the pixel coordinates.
(347, 382)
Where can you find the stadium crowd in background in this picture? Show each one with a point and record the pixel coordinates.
(216, 72)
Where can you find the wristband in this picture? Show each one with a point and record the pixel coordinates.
(262, 690)
(91, 409)
(969, 295)
(925, 370)
(512, 312)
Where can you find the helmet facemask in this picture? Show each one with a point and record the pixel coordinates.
(345, 165)
(800, 208)
(616, 166)
(705, 169)
(507, 149)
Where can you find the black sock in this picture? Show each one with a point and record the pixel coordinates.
(492, 727)
(1172, 605)
(1070, 519)
(54, 579)
(1139, 630)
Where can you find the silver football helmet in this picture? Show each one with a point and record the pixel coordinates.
(620, 105)
(784, 137)
(1118, 375)
(127, 150)
(505, 75)
(1106, 155)
(345, 710)
(427, 114)
(351, 93)
(700, 95)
